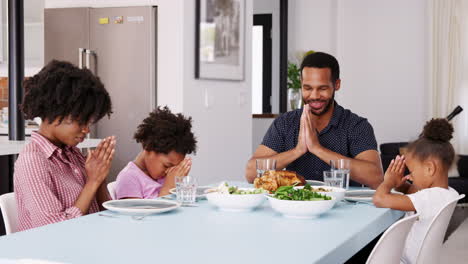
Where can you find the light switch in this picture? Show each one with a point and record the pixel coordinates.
(242, 98)
(209, 99)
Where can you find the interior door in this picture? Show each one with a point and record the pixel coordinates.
(123, 42)
(65, 31)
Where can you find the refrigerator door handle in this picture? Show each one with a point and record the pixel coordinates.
(80, 57)
(88, 53)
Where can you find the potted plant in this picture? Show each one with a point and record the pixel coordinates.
(294, 82)
(294, 86)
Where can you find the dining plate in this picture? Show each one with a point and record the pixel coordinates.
(140, 206)
(359, 195)
(315, 183)
(200, 191)
(362, 195)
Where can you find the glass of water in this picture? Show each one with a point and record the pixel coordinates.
(342, 168)
(265, 165)
(332, 179)
(186, 190)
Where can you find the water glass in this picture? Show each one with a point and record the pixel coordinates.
(332, 179)
(186, 189)
(342, 169)
(265, 165)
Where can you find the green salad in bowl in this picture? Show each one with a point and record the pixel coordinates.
(297, 202)
(234, 199)
(224, 188)
(303, 194)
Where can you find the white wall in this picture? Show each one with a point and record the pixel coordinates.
(382, 47)
(224, 127)
(311, 26)
(382, 50)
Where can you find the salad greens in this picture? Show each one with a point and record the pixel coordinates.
(304, 194)
(224, 188)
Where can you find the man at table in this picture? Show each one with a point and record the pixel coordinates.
(306, 139)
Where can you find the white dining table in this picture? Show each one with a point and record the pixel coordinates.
(203, 234)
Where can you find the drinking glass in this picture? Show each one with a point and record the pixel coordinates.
(265, 165)
(332, 179)
(186, 190)
(342, 167)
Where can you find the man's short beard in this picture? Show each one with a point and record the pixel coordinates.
(327, 107)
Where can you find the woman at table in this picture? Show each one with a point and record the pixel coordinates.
(53, 181)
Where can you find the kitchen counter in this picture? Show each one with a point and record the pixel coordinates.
(27, 131)
(29, 70)
(10, 147)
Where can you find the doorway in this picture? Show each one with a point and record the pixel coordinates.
(262, 64)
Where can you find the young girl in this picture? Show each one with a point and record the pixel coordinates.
(166, 138)
(53, 181)
(428, 159)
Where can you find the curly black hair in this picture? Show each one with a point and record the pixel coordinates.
(163, 132)
(63, 90)
(434, 141)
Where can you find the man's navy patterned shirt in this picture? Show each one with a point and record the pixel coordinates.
(346, 133)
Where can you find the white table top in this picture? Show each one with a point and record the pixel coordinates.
(9, 147)
(204, 235)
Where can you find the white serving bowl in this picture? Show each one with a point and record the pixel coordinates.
(337, 192)
(301, 209)
(236, 202)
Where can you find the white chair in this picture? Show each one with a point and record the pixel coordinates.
(9, 212)
(111, 189)
(432, 243)
(390, 246)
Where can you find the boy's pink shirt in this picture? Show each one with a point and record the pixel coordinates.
(133, 182)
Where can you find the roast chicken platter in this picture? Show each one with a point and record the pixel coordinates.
(272, 180)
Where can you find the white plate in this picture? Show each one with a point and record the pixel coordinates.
(315, 183)
(336, 192)
(362, 195)
(140, 206)
(359, 195)
(200, 191)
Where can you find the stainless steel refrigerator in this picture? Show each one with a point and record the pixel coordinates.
(119, 46)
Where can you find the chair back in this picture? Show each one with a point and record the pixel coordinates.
(432, 242)
(462, 165)
(9, 212)
(392, 148)
(111, 189)
(390, 246)
(388, 151)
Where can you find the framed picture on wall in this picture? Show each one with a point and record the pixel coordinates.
(219, 39)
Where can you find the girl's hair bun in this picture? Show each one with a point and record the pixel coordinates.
(438, 129)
